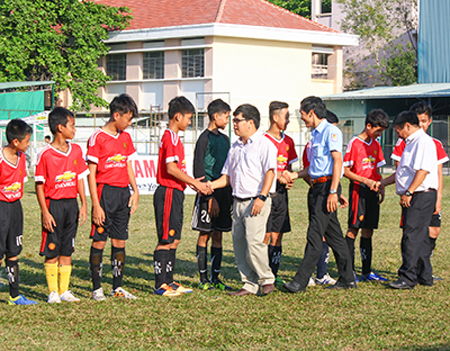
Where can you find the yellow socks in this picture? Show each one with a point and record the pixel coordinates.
(51, 273)
(64, 278)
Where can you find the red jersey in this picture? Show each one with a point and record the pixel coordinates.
(364, 158)
(400, 147)
(171, 149)
(286, 154)
(305, 159)
(60, 171)
(12, 178)
(111, 154)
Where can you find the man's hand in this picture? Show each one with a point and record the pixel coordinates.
(405, 201)
(287, 177)
(48, 222)
(381, 195)
(438, 206)
(98, 216)
(343, 201)
(258, 204)
(332, 203)
(83, 214)
(213, 207)
(133, 202)
(373, 184)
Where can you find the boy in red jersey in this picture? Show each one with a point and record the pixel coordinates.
(362, 161)
(110, 152)
(279, 222)
(13, 173)
(423, 111)
(169, 197)
(60, 170)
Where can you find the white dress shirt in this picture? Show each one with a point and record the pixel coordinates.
(247, 165)
(420, 154)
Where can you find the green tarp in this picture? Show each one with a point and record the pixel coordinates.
(23, 104)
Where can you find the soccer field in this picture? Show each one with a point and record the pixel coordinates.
(371, 317)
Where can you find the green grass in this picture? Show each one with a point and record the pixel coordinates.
(369, 318)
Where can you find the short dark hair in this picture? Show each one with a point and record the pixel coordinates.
(331, 117)
(377, 118)
(48, 137)
(406, 117)
(17, 129)
(421, 108)
(316, 104)
(59, 115)
(217, 106)
(123, 103)
(180, 104)
(249, 112)
(276, 106)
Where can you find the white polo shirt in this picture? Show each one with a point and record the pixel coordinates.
(247, 165)
(420, 154)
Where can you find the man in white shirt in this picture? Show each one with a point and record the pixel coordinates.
(416, 181)
(250, 170)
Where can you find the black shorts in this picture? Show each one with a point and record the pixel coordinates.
(279, 221)
(364, 210)
(202, 221)
(62, 241)
(436, 220)
(168, 204)
(11, 228)
(114, 201)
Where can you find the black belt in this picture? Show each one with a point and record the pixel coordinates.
(424, 191)
(252, 198)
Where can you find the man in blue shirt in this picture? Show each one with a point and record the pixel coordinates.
(325, 171)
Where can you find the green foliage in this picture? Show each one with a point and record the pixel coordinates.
(401, 67)
(58, 40)
(301, 7)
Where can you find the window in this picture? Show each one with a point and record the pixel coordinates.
(153, 65)
(192, 63)
(319, 66)
(116, 66)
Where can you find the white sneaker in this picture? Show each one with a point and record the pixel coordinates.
(311, 282)
(68, 297)
(122, 293)
(98, 295)
(326, 280)
(53, 297)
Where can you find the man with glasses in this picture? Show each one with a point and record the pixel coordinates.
(250, 170)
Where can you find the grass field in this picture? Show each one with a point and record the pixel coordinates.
(372, 317)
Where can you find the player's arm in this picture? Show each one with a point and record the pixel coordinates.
(98, 215)
(82, 194)
(134, 198)
(288, 177)
(332, 200)
(420, 176)
(381, 188)
(48, 222)
(199, 164)
(372, 184)
(258, 204)
(177, 173)
(222, 182)
(438, 206)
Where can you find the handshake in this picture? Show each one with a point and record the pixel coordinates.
(203, 188)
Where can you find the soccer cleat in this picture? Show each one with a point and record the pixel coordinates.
(181, 289)
(20, 300)
(311, 281)
(279, 282)
(68, 296)
(356, 277)
(372, 277)
(205, 286)
(123, 294)
(437, 279)
(98, 295)
(326, 280)
(218, 284)
(166, 290)
(53, 297)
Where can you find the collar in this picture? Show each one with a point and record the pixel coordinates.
(414, 136)
(321, 127)
(255, 136)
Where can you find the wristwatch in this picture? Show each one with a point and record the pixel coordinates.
(408, 193)
(332, 192)
(262, 197)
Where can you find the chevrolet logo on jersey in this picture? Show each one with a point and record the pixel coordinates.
(116, 158)
(66, 176)
(369, 159)
(13, 187)
(281, 159)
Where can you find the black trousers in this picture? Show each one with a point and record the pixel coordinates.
(416, 267)
(323, 223)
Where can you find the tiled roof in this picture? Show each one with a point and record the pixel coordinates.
(171, 13)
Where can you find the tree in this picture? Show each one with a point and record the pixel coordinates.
(301, 7)
(384, 28)
(58, 40)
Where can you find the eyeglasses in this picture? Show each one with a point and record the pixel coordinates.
(238, 120)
